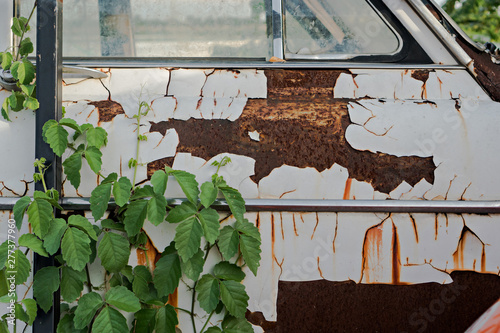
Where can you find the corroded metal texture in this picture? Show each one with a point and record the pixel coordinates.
(323, 306)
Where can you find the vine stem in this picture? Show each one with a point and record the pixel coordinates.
(42, 174)
(193, 298)
(138, 144)
(24, 30)
(206, 323)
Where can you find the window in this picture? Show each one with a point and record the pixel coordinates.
(226, 29)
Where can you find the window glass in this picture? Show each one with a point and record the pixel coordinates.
(335, 29)
(158, 28)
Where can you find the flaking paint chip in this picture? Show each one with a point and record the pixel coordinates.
(254, 135)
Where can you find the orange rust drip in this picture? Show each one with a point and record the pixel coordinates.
(483, 260)
(436, 226)
(173, 299)
(257, 222)
(347, 191)
(372, 246)
(272, 237)
(294, 225)
(396, 261)
(458, 256)
(317, 222)
(302, 218)
(414, 227)
(319, 269)
(282, 231)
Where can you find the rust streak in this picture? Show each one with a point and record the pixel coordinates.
(414, 227)
(282, 231)
(336, 227)
(483, 259)
(347, 190)
(294, 225)
(317, 222)
(319, 269)
(396, 260)
(436, 226)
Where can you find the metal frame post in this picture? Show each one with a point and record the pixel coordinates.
(49, 94)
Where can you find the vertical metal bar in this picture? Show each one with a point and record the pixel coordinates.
(49, 94)
(277, 19)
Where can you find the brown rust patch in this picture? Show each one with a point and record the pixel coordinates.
(107, 109)
(257, 318)
(421, 75)
(325, 306)
(300, 124)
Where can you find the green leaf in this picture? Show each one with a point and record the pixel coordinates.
(25, 72)
(121, 191)
(88, 305)
(25, 47)
(39, 216)
(99, 199)
(20, 265)
(93, 156)
(209, 219)
(29, 89)
(71, 123)
(167, 274)
(46, 282)
(134, 216)
(123, 299)
(145, 320)
(188, 238)
(234, 297)
(82, 223)
(208, 194)
(20, 314)
(19, 26)
(16, 100)
(194, 266)
(227, 271)
(228, 242)
(75, 248)
(248, 228)
(4, 252)
(52, 240)
(6, 60)
(33, 243)
(157, 209)
(66, 325)
(110, 320)
(45, 196)
(111, 178)
(31, 103)
(114, 251)
(72, 166)
(250, 249)
(5, 113)
(159, 182)
(208, 292)
(213, 329)
(71, 283)
(235, 202)
(56, 136)
(4, 328)
(97, 137)
(236, 325)
(143, 192)
(19, 209)
(110, 224)
(31, 309)
(188, 184)
(140, 285)
(182, 212)
(166, 319)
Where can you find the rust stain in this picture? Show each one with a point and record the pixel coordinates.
(173, 299)
(372, 249)
(421, 75)
(347, 191)
(336, 227)
(396, 260)
(294, 225)
(272, 238)
(107, 109)
(258, 319)
(301, 125)
(436, 226)
(282, 231)
(483, 259)
(317, 222)
(319, 269)
(257, 221)
(414, 228)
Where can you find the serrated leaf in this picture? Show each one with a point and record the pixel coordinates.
(31, 309)
(82, 223)
(166, 319)
(110, 320)
(99, 199)
(143, 192)
(188, 238)
(236, 325)
(135, 215)
(250, 249)
(194, 266)
(75, 248)
(121, 191)
(140, 284)
(208, 292)
(46, 197)
(31, 103)
(88, 305)
(145, 321)
(159, 181)
(208, 194)
(167, 274)
(209, 219)
(157, 209)
(4, 252)
(56, 136)
(19, 26)
(7, 59)
(114, 251)
(33, 243)
(20, 314)
(46, 282)
(123, 299)
(19, 210)
(228, 242)
(213, 329)
(188, 184)
(5, 109)
(39, 216)
(234, 297)
(28, 89)
(182, 212)
(227, 271)
(52, 240)
(26, 72)
(71, 283)
(93, 156)
(20, 265)
(110, 224)
(97, 137)
(111, 178)
(26, 47)
(235, 202)
(72, 166)
(71, 123)
(248, 228)
(66, 325)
